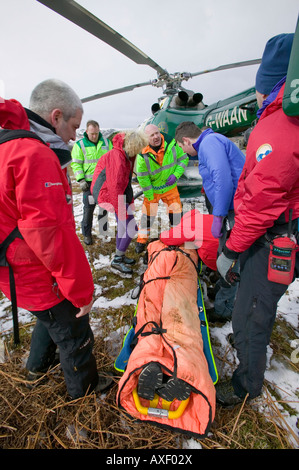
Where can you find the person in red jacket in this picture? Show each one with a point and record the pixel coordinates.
(52, 275)
(112, 190)
(268, 190)
(194, 232)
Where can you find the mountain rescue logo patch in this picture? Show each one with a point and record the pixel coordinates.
(263, 151)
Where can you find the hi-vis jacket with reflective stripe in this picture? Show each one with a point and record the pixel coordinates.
(86, 154)
(152, 176)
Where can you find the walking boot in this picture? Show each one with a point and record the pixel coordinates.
(105, 382)
(139, 247)
(88, 240)
(226, 396)
(34, 378)
(129, 261)
(174, 388)
(149, 379)
(119, 263)
(213, 317)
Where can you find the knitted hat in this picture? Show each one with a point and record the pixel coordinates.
(275, 61)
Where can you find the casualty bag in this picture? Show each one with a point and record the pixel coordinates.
(167, 332)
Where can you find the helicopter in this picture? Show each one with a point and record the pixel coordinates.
(230, 117)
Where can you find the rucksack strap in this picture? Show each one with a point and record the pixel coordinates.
(3, 262)
(7, 134)
(15, 233)
(14, 306)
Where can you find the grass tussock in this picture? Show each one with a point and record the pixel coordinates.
(45, 418)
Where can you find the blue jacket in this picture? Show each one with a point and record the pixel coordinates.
(220, 163)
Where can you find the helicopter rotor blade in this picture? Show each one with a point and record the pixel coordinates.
(90, 23)
(114, 92)
(227, 66)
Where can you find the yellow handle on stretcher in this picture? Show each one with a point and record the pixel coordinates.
(163, 412)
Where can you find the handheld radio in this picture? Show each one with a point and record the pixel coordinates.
(282, 257)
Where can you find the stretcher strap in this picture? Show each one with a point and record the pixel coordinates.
(156, 330)
(172, 248)
(143, 283)
(154, 255)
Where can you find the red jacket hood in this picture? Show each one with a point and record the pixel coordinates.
(13, 115)
(118, 141)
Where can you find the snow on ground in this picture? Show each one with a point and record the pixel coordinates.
(279, 374)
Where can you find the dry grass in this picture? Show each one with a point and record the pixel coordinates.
(45, 418)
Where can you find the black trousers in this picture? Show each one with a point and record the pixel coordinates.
(59, 326)
(87, 220)
(253, 318)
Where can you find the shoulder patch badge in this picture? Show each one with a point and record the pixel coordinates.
(263, 151)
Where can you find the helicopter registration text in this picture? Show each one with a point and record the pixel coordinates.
(295, 92)
(226, 118)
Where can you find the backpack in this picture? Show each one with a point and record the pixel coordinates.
(5, 136)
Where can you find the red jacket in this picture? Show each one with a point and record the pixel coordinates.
(49, 264)
(269, 184)
(112, 179)
(194, 230)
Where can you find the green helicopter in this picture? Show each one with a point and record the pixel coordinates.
(231, 116)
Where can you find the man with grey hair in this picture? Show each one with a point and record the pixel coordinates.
(55, 112)
(50, 94)
(52, 275)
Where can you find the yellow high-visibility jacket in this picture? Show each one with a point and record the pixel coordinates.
(86, 154)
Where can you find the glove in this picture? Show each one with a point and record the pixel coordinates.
(84, 185)
(225, 263)
(217, 226)
(171, 180)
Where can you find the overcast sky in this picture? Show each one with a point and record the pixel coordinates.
(180, 35)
